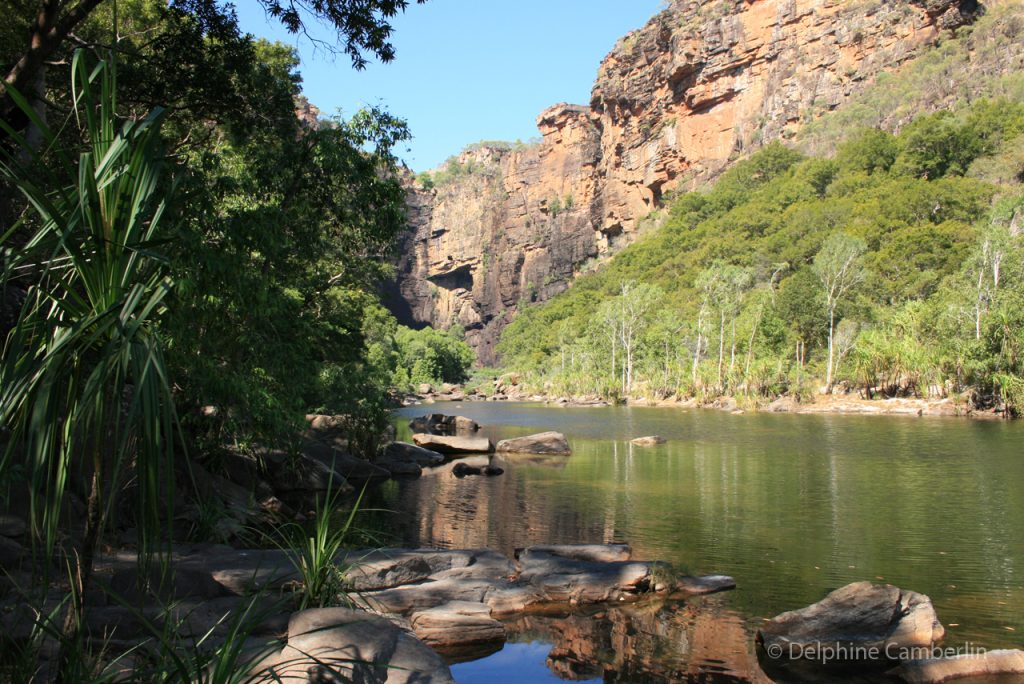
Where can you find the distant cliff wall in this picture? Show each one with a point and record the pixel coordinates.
(674, 102)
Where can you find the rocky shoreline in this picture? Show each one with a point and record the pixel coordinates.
(507, 389)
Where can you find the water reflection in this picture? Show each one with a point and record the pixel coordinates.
(792, 506)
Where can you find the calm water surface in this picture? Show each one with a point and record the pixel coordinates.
(791, 506)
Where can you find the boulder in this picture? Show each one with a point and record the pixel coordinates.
(305, 474)
(457, 624)
(410, 453)
(440, 424)
(11, 525)
(540, 443)
(861, 618)
(989, 664)
(11, 553)
(328, 645)
(401, 468)
(651, 440)
(453, 445)
(348, 466)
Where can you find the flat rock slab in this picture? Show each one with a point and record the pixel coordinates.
(540, 443)
(457, 624)
(599, 553)
(871, 618)
(650, 440)
(403, 452)
(453, 445)
(327, 645)
(389, 568)
(979, 667)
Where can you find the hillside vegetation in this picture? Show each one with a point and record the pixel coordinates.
(893, 268)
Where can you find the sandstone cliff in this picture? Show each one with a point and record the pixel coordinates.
(702, 83)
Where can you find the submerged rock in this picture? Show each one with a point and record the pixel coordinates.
(652, 440)
(978, 665)
(540, 443)
(859, 622)
(462, 470)
(453, 445)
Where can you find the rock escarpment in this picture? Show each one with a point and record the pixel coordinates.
(703, 82)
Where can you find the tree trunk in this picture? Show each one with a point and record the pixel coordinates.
(831, 335)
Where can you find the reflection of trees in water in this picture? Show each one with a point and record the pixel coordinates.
(696, 641)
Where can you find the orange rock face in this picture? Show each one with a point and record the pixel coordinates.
(702, 83)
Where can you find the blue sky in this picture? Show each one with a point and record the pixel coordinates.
(468, 70)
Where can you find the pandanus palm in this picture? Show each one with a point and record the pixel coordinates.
(83, 387)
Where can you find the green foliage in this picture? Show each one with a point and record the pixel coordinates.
(747, 306)
(405, 357)
(85, 385)
(314, 552)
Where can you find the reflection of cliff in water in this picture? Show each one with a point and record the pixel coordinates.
(695, 641)
(441, 510)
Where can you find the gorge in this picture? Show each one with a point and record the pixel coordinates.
(702, 84)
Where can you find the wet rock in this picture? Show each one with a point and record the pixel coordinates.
(457, 624)
(992, 664)
(462, 470)
(440, 424)
(876, 618)
(492, 471)
(327, 645)
(540, 443)
(705, 584)
(651, 440)
(410, 453)
(453, 445)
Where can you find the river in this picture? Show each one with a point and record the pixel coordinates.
(792, 506)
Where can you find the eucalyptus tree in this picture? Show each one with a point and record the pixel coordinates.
(838, 267)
